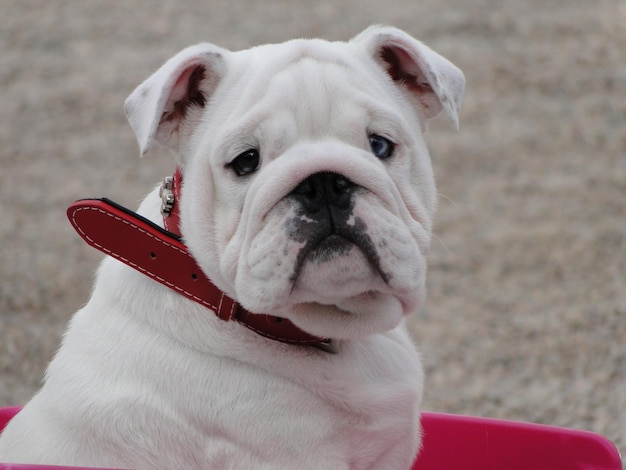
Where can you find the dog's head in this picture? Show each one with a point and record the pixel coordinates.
(308, 191)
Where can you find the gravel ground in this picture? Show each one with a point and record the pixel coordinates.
(527, 310)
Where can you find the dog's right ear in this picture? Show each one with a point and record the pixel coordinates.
(169, 104)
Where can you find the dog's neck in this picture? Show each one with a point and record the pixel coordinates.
(163, 256)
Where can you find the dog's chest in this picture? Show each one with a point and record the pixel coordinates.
(346, 418)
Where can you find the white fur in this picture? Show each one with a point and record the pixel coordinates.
(147, 379)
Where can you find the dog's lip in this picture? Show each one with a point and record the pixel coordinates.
(325, 246)
(328, 247)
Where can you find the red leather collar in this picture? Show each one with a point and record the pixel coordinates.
(161, 255)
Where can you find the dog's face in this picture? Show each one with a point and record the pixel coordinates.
(308, 191)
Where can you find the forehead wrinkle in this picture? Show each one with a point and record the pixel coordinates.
(262, 127)
(306, 107)
(305, 84)
(319, 96)
(238, 138)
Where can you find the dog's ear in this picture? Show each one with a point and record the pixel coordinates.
(432, 81)
(169, 104)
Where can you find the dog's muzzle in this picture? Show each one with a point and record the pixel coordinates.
(325, 221)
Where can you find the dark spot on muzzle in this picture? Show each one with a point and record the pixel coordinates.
(325, 223)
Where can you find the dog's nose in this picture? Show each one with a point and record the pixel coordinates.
(324, 189)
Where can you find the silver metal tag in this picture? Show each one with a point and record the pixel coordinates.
(166, 194)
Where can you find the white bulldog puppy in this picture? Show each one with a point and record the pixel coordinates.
(307, 194)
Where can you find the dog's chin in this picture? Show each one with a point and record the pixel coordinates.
(339, 294)
(356, 317)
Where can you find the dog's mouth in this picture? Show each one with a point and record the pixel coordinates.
(325, 225)
(327, 249)
(333, 241)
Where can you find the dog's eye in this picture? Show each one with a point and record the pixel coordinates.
(246, 162)
(381, 147)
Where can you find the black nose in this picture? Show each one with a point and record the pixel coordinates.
(324, 189)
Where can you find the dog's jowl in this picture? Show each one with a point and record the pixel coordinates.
(304, 196)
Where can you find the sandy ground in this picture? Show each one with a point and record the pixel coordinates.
(527, 310)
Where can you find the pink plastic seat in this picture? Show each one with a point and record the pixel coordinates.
(470, 443)
(453, 442)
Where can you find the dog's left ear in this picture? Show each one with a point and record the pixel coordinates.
(432, 81)
(169, 104)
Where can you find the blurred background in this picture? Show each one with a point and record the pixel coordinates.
(526, 317)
